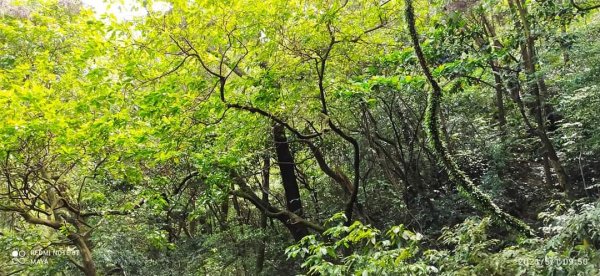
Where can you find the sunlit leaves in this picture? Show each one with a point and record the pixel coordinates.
(374, 253)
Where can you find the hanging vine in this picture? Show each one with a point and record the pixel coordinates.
(432, 117)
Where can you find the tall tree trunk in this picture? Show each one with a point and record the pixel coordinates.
(538, 89)
(286, 164)
(498, 85)
(260, 254)
(88, 267)
(223, 213)
(564, 44)
(499, 99)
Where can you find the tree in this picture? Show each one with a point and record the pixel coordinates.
(206, 137)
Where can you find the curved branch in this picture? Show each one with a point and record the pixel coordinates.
(583, 9)
(113, 212)
(274, 118)
(356, 167)
(286, 217)
(31, 219)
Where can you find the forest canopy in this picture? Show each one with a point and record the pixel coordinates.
(272, 137)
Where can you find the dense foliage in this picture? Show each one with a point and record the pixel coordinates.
(451, 137)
